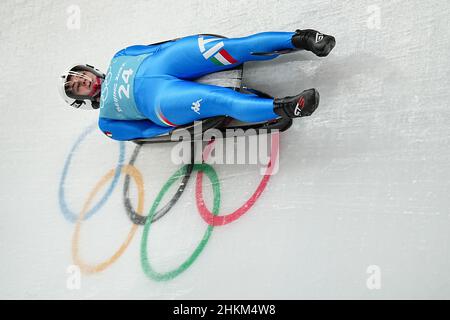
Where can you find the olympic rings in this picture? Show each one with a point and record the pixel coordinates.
(137, 218)
(84, 267)
(215, 220)
(68, 214)
(145, 263)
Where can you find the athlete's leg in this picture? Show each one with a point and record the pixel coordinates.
(174, 102)
(195, 56)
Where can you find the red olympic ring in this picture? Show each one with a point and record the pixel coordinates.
(215, 221)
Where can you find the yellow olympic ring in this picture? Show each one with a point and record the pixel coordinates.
(89, 268)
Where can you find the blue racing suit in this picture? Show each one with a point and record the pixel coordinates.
(147, 90)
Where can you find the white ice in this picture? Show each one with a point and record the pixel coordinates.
(363, 184)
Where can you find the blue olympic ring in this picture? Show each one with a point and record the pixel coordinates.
(68, 214)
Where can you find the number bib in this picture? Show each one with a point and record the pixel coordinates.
(117, 97)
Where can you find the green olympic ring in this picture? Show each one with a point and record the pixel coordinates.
(145, 261)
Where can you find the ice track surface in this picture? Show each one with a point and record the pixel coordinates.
(362, 188)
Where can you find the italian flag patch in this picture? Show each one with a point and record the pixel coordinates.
(223, 58)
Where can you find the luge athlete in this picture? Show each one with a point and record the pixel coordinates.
(148, 89)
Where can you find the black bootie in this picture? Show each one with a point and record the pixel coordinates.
(311, 40)
(301, 105)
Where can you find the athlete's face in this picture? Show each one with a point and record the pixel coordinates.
(83, 83)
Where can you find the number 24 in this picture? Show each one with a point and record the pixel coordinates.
(125, 76)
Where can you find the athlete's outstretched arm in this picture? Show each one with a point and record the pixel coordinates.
(124, 130)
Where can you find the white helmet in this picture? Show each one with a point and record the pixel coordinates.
(86, 102)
